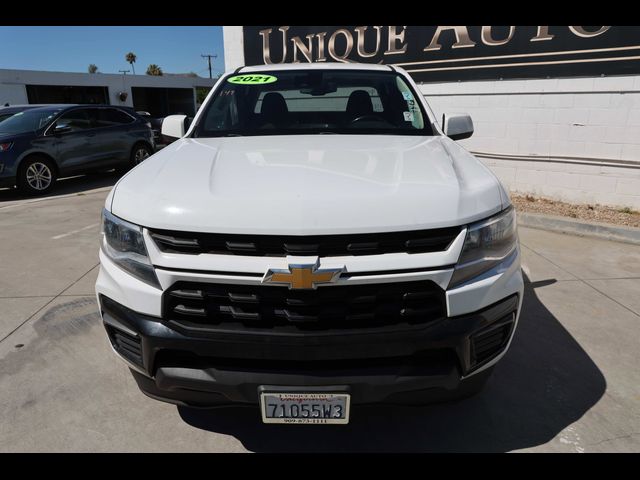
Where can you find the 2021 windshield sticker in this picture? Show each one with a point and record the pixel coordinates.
(252, 79)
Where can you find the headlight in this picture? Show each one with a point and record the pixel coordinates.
(123, 243)
(487, 243)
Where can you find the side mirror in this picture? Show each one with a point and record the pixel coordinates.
(457, 127)
(61, 128)
(174, 126)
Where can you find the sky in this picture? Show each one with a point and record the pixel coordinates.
(73, 49)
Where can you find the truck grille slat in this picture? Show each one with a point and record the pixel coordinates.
(417, 296)
(488, 343)
(182, 309)
(239, 313)
(127, 345)
(130, 345)
(491, 340)
(241, 247)
(239, 298)
(416, 312)
(327, 308)
(363, 247)
(301, 249)
(424, 243)
(169, 241)
(415, 241)
(187, 293)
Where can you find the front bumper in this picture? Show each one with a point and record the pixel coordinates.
(393, 364)
(374, 367)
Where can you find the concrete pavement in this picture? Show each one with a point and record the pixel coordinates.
(570, 382)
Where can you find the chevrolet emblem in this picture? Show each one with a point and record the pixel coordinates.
(302, 276)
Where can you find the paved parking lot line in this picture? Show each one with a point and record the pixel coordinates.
(72, 232)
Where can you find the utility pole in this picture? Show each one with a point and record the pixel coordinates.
(209, 57)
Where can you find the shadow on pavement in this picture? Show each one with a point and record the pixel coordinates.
(544, 383)
(66, 186)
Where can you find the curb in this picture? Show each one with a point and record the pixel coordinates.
(581, 228)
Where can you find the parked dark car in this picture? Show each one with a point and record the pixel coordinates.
(156, 125)
(41, 144)
(6, 112)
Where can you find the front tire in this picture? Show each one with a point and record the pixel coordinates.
(37, 176)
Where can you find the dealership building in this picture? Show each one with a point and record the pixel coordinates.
(556, 109)
(158, 95)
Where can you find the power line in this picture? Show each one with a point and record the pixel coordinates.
(209, 57)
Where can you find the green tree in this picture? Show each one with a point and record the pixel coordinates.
(93, 68)
(154, 70)
(131, 59)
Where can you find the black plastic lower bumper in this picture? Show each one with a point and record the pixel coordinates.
(221, 368)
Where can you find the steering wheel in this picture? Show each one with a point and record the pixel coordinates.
(365, 117)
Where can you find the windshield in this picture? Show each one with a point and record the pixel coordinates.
(28, 121)
(313, 101)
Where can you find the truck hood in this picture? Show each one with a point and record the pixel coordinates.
(308, 184)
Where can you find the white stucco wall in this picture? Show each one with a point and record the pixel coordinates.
(532, 133)
(583, 117)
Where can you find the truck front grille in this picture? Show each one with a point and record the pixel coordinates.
(200, 306)
(416, 241)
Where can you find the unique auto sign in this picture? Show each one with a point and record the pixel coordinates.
(445, 53)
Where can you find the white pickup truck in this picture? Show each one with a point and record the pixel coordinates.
(314, 240)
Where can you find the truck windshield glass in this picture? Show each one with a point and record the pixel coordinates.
(313, 101)
(28, 121)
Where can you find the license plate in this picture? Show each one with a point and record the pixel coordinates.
(323, 408)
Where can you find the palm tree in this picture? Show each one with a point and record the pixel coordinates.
(154, 70)
(131, 59)
(93, 68)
